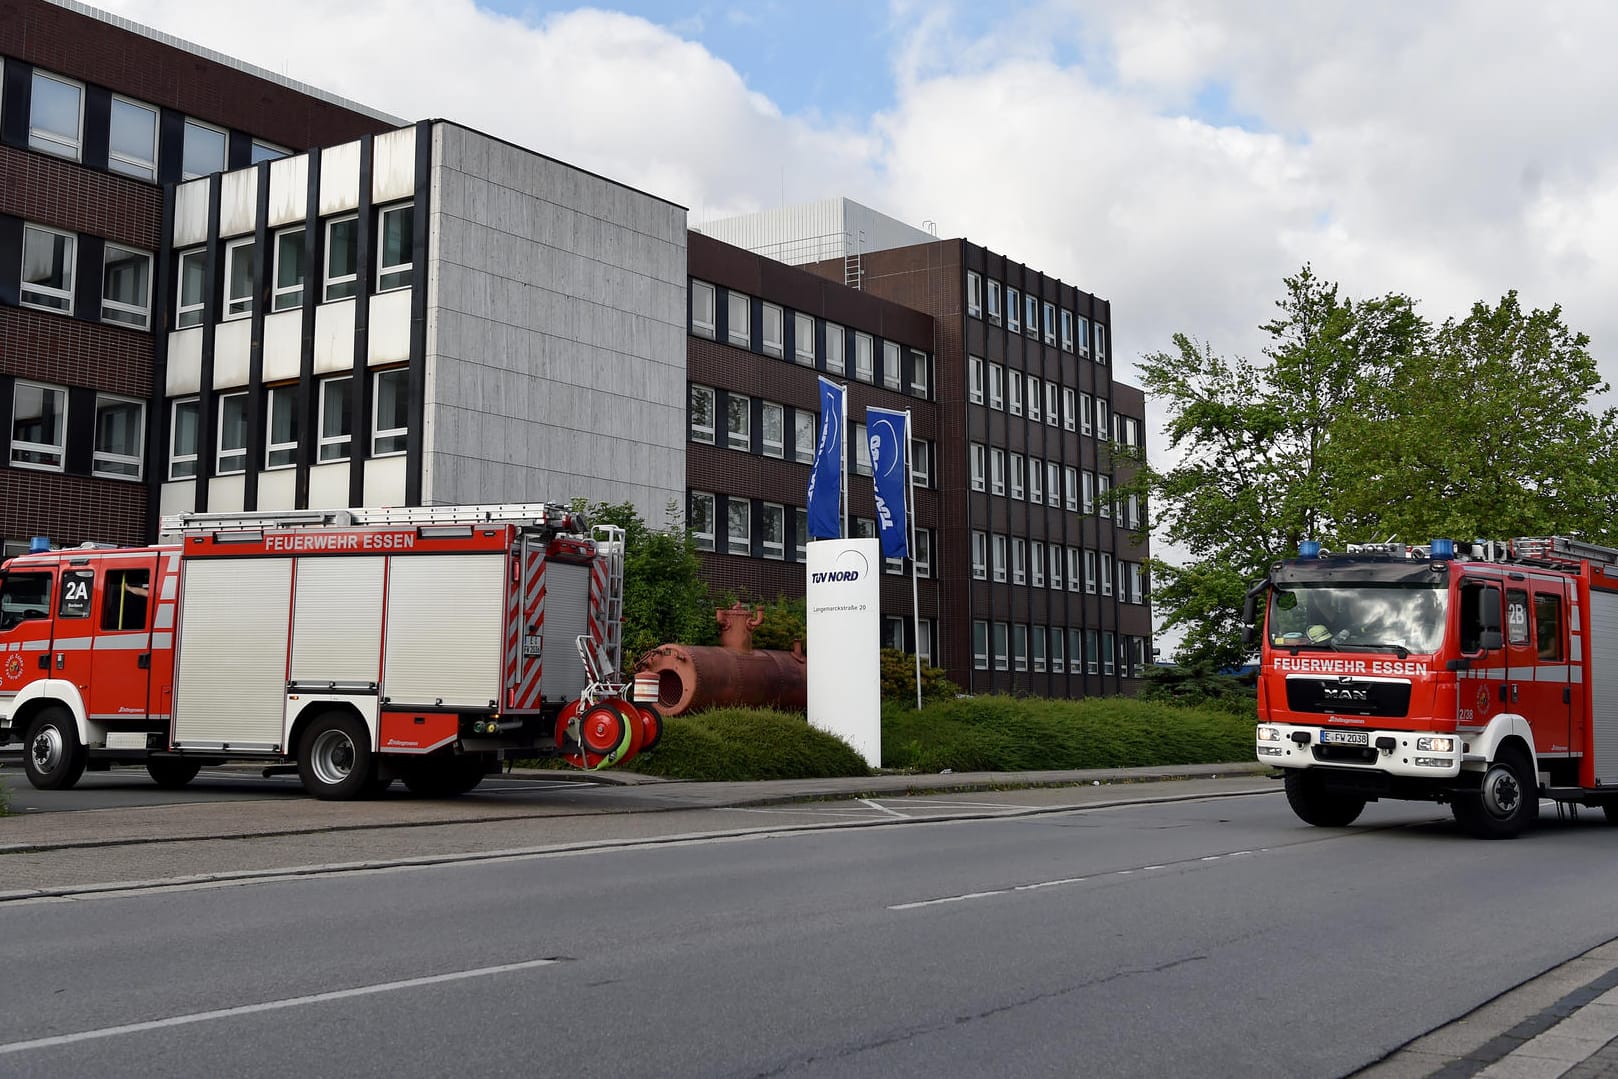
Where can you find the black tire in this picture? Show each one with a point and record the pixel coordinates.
(172, 773)
(1505, 804)
(53, 756)
(335, 760)
(441, 776)
(1611, 811)
(1315, 805)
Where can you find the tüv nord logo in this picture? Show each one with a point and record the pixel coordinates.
(850, 566)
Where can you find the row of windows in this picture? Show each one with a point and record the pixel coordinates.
(39, 431)
(814, 342)
(1027, 563)
(56, 126)
(1038, 319)
(390, 419)
(743, 414)
(1002, 390)
(287, 262)
(742, 526)
(1059, 650)
(1059, 486)
(49, 267)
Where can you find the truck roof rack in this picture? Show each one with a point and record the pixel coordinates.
(1561, 551)
(531, 514)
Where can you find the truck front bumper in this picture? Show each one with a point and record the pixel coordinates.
(1413, 754)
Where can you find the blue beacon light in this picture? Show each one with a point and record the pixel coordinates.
(1309, 549)
(39, 545)
(1442, 548)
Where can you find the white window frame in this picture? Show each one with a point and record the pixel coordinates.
(738, 510)
(997, 545)
(892, 365)
(139, 316)
(803, 339)
(54, 453)
(190, 314)
(1013, 393)
(1058, 656)
(177, 459)
(398, 441)
(864, 357)
(239, 306)
(997, 471)
(921, 380)
(395, 275)
(279, 400)
(338, 447)
(224, 156)
(980, 555)
(141, 168)
(803, 421)
(1090, 573)
(1084, 336)
(1074, 581)
(49, 297)
(997, 386)
(978, 458)
(235, 455)
(1002, 646)
(974, 294)
(1067, 330)
(776, 446)
(266, 151)
(1088, 503)
(1036, 480)
(702, 308)
(775, 549)
(862, 450)
(1036, 564)
(1050, 404)
(739, 437)
(1019, 646)
(1053, 484)
(1109, 649)
(922, 556)
(775, 340)
(1103, 495)
(1037, 643)
(1019, 560)
(288, 297)
(1033, 398)
(700, 432)
(1030, 314)
(994, 301)
(836, 346)
(1013, 310)
(1056, 567)
(1050, 322)
(921, 462)
(975, 377)
(800, 533)
(340, 286)
(1018, 469)
(980, 645)
(739, 302)
(1086, 404)
(1070, 488)
(1069, 420)
(703, 540)
(1101, 343)
(113, 465)
(60, 143)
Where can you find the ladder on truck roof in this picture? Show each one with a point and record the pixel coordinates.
(1561, 551)
(532, 514)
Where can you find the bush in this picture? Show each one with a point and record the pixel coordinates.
(1007, 734)
(1201, 687)
(747, 743)
(899, 679)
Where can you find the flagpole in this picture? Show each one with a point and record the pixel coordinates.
(842, 457)
(915, 600)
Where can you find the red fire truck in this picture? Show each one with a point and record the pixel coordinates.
(353, 646)
(1486, 678)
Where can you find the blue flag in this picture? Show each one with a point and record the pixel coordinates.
(889, 433)
(826, 477)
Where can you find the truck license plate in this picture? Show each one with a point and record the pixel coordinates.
(531, 645)
(1345, 738)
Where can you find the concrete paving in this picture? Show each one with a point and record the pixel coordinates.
(1563, 1023)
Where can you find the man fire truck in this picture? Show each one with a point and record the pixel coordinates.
(353, 646)
(1486, 678)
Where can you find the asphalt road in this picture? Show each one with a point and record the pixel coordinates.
(1212, 938)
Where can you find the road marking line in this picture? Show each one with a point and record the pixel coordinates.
(948, 899)
(267, 1006)
(883, 809)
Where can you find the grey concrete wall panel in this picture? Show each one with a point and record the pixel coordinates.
(556, 333)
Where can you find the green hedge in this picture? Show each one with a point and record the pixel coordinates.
(747, 743)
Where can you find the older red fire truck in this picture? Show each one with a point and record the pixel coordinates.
(354, 646)
(1486, 678)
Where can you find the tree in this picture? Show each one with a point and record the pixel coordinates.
(665, 599)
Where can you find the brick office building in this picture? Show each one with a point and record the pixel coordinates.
(96, 115)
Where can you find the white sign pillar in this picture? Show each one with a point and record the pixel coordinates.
(845, 634)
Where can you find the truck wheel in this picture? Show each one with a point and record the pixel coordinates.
(172, 774)
(438, 777)
(334, 758)
(53, 756)
(1505, 803)
(1315, 805)
(1611, 811)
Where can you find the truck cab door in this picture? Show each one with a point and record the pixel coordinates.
(26, 629)
(1547, 688)
(122, 654)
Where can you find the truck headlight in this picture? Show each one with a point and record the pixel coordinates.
(1269, 734)
(1435, 744)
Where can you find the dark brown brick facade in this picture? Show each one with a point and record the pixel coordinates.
(71, 509)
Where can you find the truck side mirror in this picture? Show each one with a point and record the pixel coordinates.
(1490, 639)
(1250, 611)
(1489, 618)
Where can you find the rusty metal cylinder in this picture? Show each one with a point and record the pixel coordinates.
(692, 677)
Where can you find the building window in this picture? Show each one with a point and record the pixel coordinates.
(1050, 404)
(702, 413)
(395, 260)
(1103, 419)
(1109, 651)
(336, 419)
(1019, 560)
(1018, 470)
(862, 450)
(1002, 646)
(1089, 503)
(1084, 336)
(739, 422)
(281, 449)
(239, 278)
(775, 421)
(803, 435)
(126, 287)
(1101, 343)
(699, 518)
(800, 534)
(1031, 314)
(1036, 489)
(1033, 398)
(38, 426)
(47, 268)
(1056, 567)
(1090, 651)
(1019, 647)
(922, 556)
(342, 258)
(188, 310)
(390, 411)
(1036, 563)
(1106, 574)
(204, 150)
(1090, 574)
(1073, 584)
(1068, 421)
(974, 386)
(183, 440)
(980, 555)
(834, 348)
(1013, 310)
(739, 329)
(997, 471)
(775, 530)
(1067, 330)
(1014, 394)
(120, 437)
(132, 140)
(738, 526)
(1085, 405)
(974, 294)
(56, 117)
(921, 462)
(803, 339)
(1053, 484)
(999, 548)
(1103, 497)
(980, 646)
(997, 386)
(1134, 583)
(702, 309)
(263, 151)
(978, 454)
(892, 376)
(1039, 649)
(232, 455)
(289, 255)
(1070, 489)
(774, 330)
(864, 357)
(1058, 664)
(921, 381)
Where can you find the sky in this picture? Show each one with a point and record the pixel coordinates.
(1176, 158)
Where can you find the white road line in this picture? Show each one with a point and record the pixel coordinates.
(266, 1006)
(883, 809)
(948, 899)
(1061, 881)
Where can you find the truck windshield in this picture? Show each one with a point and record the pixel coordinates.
(1359, 617)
